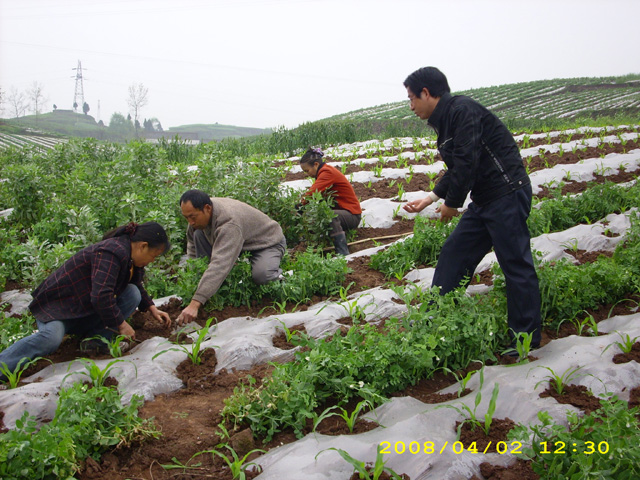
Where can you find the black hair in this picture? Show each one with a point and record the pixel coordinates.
(198, 199)
(312, 155)
(150, 232)
(430, 78)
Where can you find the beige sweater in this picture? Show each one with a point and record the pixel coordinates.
(235, 227)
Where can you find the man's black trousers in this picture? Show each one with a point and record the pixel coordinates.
(501, 224)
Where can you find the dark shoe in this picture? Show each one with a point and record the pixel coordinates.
(340, 242)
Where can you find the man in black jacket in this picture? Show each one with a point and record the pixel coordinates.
(483, 159)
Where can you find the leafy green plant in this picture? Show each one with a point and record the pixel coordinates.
(87, 421)
(560, 382)
(523, 345)
(194, 351)
(115, 344)
(14, 376)
(596, 445)
(625, 344)
(361, 467)
(470, 414)
(96, 374)
(349, 418)
(236, 465)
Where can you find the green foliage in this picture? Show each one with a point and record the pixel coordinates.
(423, 248)
(470, 414)
(369, 362)
(361, 467)
(560, 382)
(87, 422)
(96, 375)
(601, 444)
(14, 376)
(593, 204)
(14, 328)
(195, 351)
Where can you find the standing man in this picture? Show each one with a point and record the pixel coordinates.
(482, 158)
(220, 229)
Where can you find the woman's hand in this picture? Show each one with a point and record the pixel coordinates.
(125, 329)
(160, 316)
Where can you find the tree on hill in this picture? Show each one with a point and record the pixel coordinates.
(37, 97)
(120, 128)
(85, 108)
(18, 102)
(138, 98)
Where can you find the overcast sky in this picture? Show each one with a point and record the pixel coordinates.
(266, 63)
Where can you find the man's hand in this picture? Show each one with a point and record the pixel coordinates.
(446, 213)
(160, 316)
(417, 205)
(190, 313)
(125, 329)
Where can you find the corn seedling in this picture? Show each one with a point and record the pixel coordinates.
(96, 374)
(471, 414)
(560, 382)
(523, 345)
(115, 344)
(237, 465)
(625, 344)
(195, 352)
(14, 376)
(361, 467)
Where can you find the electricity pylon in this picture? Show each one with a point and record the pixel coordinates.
(78, 97)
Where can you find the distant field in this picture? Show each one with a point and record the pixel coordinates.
(568, 98)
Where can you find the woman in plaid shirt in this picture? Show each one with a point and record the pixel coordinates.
(93, 292)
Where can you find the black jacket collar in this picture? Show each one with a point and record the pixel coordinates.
(435, 120)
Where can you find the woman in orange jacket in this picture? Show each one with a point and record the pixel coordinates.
(331, 180)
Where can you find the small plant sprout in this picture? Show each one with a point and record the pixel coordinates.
(586, 326)
(396, 211)
(471, 414)
(195, 352)
(523, 345)
(361, 467)
(400, 196)
(625, 344)
(352, 418)
(13, 376)
(560, 382)
(237, 465)
(96, 374)
(571, 245)
(115, 344)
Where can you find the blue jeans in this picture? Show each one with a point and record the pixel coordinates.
(50, 334)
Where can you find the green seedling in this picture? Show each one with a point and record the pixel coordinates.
(625, 344)
(195, 352)
(523, 345)
(96, 374)
(114, 344)
(350, 419)
(14, 376)
(237, 466)
(471, 414)
(361, 467)
(560, 382)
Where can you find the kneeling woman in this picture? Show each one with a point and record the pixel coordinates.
(93, 292)
(331, 180)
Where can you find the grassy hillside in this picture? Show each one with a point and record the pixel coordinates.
(537, 103)
(216, 131)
